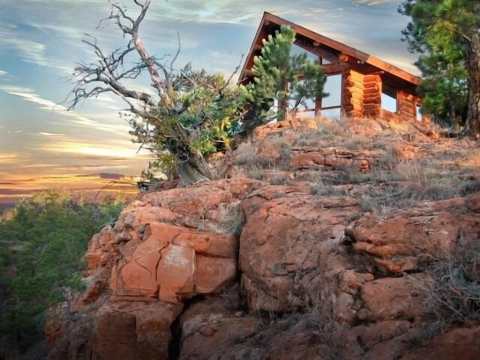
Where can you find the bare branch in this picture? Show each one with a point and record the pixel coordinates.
(179, 49)
(232, 75)
(107, 73)
(123, 14)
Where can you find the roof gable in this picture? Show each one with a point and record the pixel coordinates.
(319, 39)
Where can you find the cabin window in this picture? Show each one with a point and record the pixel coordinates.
(333, 114)
(310, 104)
(298, 50)
(332, 103)
(306, 108)
(389, 99)
(418, 109)
(309, 107)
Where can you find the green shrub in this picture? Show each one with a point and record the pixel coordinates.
(42, 246)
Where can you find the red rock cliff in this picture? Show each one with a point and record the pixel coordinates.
(312, 248)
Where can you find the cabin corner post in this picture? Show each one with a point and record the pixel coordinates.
(352, 94)
(372, 95)
(407, 105)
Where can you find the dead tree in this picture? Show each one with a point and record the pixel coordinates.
(153, 113)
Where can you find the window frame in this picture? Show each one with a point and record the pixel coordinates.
(392, 93)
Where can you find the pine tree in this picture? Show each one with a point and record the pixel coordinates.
(446, 34)
(282, 78)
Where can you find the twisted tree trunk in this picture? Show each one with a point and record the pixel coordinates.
(193, 170)
(191, 166)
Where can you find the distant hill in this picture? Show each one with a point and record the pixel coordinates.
(111, 176)
(5, 206)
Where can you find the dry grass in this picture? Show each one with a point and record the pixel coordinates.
(245, 154)
(451, 290)
(438, 173)
(263, 165)
(437, 169)
(321, 188)
(409, 182)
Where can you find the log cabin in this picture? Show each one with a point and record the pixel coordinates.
(360, 85)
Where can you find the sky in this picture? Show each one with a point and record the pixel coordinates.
(40, 45)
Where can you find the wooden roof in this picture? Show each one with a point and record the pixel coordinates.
(265, 28)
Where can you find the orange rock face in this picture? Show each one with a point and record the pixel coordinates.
(153, 251)
(286, 240)
(128, 331)
(242, 269)
(210, 328)
(402, 241)
(164, 249)
(461, 343)
(333, 158)
(170, 263)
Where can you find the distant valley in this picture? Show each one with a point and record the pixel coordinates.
(93, 187)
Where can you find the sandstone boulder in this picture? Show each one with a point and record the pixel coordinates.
(406, 239)
(287, 242)
(461, 343)
(172, 245)
(175, 262)
(332, 158)
(214, 326)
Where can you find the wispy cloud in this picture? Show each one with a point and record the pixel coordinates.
(31, 96)
(3, 73)
(49, 134)
(375, 2)
(28, 50)
(8, 158)
(93, 149)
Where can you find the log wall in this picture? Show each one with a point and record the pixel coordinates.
(362, 97)
(361, 94)
(353, 88)
(372, 95)
(407, 109)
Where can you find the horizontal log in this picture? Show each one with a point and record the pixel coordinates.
(371, 93)
(356, 87)
(355, 100)
(356, 92)
(358, 100)
(353, 96)
(409, 106)
(372, 77)
(407, 110)
(371, 85)
(355, 76)
(334, 68)
(408, 97)
(409, 115)
(369, 107)
(351, 82)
